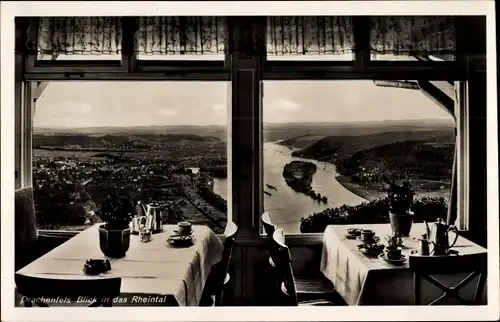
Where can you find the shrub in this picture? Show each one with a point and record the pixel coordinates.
(117, 212)
(373, 212)
(400, 197)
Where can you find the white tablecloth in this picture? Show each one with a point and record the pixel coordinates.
(361, 280)
(148, 269)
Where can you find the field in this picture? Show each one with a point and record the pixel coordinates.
(73, 174)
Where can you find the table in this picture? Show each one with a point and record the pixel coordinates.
(148, 269)
(361, 280)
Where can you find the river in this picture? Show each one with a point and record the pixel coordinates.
(286, 207)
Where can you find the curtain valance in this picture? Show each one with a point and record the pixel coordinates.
(334, 35)
(181, 35)
(413, 35)
(74, 35)
(309, 35)
(103, 35)
(209, 35)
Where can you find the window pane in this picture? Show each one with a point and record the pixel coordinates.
(146, 140)
(389, 57)
(180, 57)
(343, 57)
(78, 57)
(330, 147)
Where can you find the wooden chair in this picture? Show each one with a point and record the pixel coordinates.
(307, 287)
(425, 266)
(269, 228)
(288, 285)
(42, 290)
(219, 276)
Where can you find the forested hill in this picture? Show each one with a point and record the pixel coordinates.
(416, 159)
(370, 159)
(333, 148)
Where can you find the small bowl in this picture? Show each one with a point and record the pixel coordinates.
(180, 241)
(354, 231)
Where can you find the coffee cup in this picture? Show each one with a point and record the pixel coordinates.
(393, 252)
(367, 235)
(184, 228)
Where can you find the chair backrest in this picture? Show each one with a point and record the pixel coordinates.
(25, 227)
(42, 290)
(474, 264)
(222, 267)
(269, 228)
(284, 265)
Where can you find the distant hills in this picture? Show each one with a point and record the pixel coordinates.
(272, 131)
(342, 147)
(215, 131)
(372, 158)
(116, 140)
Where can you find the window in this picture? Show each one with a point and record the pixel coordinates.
(330, 147)
(163, 141)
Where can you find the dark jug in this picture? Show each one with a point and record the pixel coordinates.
(440, 238)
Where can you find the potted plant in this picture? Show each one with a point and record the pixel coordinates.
(114, 235)
(400, 202)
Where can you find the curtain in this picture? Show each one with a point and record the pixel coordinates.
(413, 35)
(334, 35)
(103, 35)
(181, 35)
(209, 35)
(74, 35)
(453, 204)
(309, 35)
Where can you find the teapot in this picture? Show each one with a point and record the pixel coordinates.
(439, 237)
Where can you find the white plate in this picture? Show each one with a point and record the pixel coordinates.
(401, 260)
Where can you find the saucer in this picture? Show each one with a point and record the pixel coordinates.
(401, 260)
(370, 251)
(181, 240)
(375, 240)
(351, 236)
(354, 231)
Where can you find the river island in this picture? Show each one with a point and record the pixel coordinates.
(298, 175)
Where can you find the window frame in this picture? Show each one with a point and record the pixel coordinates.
(29, 88)
(25, 122)
(360, 68)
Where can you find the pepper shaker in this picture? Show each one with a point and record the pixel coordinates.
(424, 245)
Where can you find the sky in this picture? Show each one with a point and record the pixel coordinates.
(90, 104)
(87, 104)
